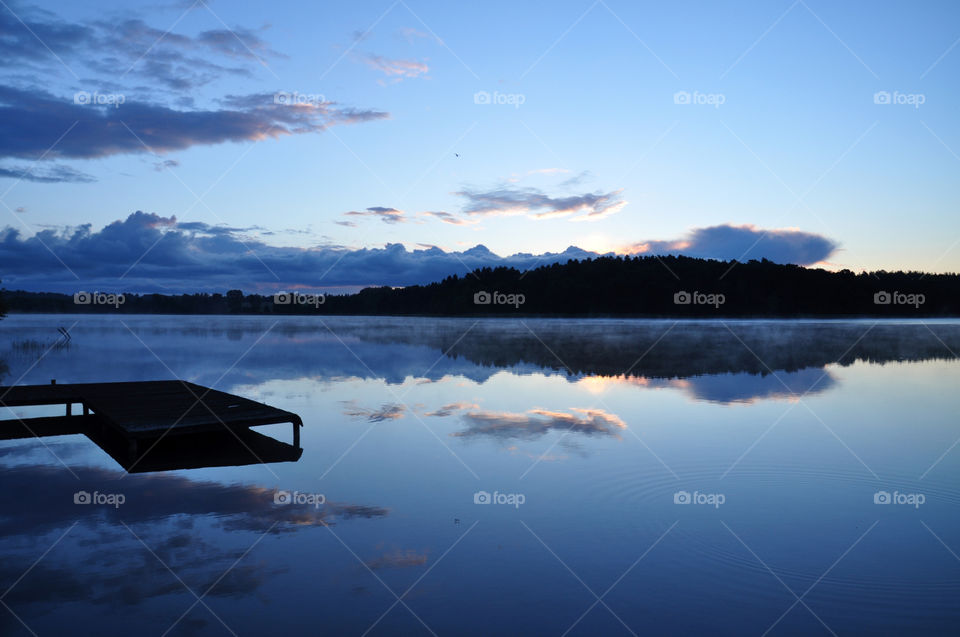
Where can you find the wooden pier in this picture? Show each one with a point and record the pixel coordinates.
(161, 424)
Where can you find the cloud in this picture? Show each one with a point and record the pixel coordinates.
(152, 497)
(381, 414)
(576, 180)
(537, 422)
(117, 48)
(147, 252)
(398, 559)
(348, 224)
(446, 217)
(386, 215)
(160, 166)
(412, 34)
(236, 42)
(52, 174)
(188, 524)
(396, 69)
(164, 254)
(536, 204)
(32, 122)
(743, 243)
(451, 408)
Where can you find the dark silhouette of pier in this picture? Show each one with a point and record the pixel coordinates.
(155, 425)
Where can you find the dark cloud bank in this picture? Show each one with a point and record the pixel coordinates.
(124, 75)
(147, 252)
(36, 124)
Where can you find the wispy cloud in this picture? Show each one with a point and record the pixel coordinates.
(165, 164)
(116, 49)
(451, 408)
(412, 34)
(380, 414)
(386, 215)
(447, 217)
(395, 69)
(536, 204)
(538, 422)
(397, 559)
(49, 174)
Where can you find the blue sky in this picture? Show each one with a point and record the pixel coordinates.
(610, 126)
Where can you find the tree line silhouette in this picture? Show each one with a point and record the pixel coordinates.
(671, 286)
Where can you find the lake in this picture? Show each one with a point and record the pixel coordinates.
(502, 477)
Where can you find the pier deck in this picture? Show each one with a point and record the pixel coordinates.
(139, 412)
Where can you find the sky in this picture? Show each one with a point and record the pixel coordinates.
(211, 145)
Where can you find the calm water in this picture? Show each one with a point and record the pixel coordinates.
(646, 477)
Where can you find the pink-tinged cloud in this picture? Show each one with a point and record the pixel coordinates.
(537, 422)
(395, 68)
(447, 217)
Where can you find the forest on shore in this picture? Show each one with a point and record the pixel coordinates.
(647, 286)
